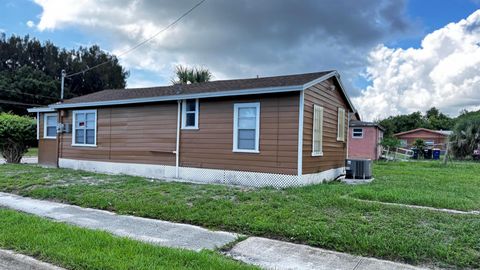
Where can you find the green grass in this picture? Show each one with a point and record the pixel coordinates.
(325, 215)
(456, 186)
(76, 248)
(32, 152)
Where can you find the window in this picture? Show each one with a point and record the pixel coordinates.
(403, 143)
(341, 125)
(429, 143)
(246, 127)
(190, 114)
(357, 133)
(84, 128)
(50, 126)
(317, 137)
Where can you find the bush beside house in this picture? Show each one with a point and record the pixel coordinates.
(17, 133)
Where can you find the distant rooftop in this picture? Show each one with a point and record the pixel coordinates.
(356, 123)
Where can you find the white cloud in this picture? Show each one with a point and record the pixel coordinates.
(30, 24)
(240, 38)
(444, 72)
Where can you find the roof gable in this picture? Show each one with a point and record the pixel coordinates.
(436, 132)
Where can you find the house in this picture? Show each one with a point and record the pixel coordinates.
(272, 131)
(432, 138)
(364, 139)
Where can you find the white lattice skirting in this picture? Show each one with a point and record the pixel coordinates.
(202, 175)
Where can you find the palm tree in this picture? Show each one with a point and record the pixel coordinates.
(187, 75)
(465, 138)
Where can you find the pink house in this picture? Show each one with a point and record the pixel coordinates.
(364, 139)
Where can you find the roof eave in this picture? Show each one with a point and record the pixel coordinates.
(40, 109)
(419, 129)
(254, 91)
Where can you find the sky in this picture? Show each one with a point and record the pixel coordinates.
(394, 57)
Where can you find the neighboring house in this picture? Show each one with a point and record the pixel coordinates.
(272, 131)
(432, 138)
(364, 140)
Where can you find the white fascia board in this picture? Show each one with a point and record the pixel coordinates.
(254, 91)
(328, 76)
(40, 109)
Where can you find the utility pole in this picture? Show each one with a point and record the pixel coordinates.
(62, 84)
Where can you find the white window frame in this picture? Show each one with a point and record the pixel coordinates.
(403, 142)
(353, 133)
(74, 113)
(314, 136)
(184, 114)
(236, 108)
(45, 116)
(341, 124)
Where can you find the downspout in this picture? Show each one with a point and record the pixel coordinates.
(177, 147)
(38, 126)
(59, 134)
(300, 133)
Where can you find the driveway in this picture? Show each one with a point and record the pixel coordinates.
(25, 160)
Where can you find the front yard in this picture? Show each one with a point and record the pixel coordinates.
(76, 248)
(328, 215)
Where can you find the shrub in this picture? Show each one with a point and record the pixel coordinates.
(16, 134)
(390, 142)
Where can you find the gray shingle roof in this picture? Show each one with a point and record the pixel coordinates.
(207, 87)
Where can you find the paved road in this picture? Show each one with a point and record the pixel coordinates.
(266, 253)
(13, 261)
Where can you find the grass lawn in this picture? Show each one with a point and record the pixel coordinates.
(76, 248)
(325, 215)
(32, 152)
(456, 186)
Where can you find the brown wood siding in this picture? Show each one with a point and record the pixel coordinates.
(211, 146)
(334, 152)
(47, 148)
(147, 134)
(134, 134)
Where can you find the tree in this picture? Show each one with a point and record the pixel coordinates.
(432, 119)
(437, 120)
(185, 75)
(400, 123)
(390, 142)
(16, 134)
(30, 72)
(466, 137)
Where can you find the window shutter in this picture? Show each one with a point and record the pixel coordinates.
(341, 125)
(317, 144)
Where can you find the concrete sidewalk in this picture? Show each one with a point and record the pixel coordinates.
(266, 253)
(147, 230)
(10, 260)
(279, 255)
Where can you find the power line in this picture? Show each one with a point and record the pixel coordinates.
(2, 101)
(141, 43)
(33, 95)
